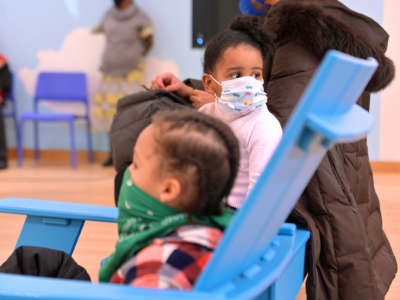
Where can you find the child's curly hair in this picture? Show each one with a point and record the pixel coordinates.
(242, 30)
(203, 153)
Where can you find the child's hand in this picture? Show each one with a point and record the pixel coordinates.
(164, 80)
(199, 98)
(170, 83)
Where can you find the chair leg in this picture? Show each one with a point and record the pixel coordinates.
(36, 140)
(72, 139)
(20, 142)
(16, 130)
(89, 139)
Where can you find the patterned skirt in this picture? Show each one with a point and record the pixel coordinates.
(111, 90)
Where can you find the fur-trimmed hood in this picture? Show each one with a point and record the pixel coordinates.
(320, 25)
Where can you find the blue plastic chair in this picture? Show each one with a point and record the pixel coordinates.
(258, 257)
(10, 111)
(58, 87)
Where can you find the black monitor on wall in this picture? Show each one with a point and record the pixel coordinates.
(210, 17)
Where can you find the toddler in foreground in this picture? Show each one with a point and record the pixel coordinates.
(171, 210)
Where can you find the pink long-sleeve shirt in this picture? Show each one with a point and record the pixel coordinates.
(258, 132)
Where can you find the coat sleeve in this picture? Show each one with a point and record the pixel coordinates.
(145, 25)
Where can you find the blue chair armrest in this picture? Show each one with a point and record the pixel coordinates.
(340, 128)
(53, 209)
(54, 225)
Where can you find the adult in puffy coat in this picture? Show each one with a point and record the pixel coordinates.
(349, 255)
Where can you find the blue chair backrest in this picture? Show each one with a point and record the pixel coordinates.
(62, 87)
(331, 95)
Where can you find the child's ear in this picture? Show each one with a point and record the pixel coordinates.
(171, 191)
(209, 84)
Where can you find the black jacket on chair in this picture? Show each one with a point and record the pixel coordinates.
(43, 262)
(133, 114)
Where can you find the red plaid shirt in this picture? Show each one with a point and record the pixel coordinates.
(171, 262)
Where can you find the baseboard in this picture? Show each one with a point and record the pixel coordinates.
(385, 166)
(59, 155)
(100, 156)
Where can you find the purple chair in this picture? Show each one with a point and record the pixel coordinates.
(57, 87)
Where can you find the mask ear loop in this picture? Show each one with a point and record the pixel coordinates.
(217, 82)
(212, 77)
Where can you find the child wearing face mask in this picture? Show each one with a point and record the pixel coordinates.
(171, 213)
(233, 72)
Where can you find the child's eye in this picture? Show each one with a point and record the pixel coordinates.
(236, 75)
(256, 75)
(134, 166)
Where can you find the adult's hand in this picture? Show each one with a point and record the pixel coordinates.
(199, 98)
(148, 44)
(170, 83)
(96, 30)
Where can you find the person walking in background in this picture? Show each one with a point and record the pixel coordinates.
(129, 37)
(5, 84)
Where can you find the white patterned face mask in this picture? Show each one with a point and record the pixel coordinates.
(241, 94)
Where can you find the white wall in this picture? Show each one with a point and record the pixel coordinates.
(373, 9)
(55, 35)
(384, 142)
(389, 147)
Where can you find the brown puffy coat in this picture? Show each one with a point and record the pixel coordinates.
(349, 257)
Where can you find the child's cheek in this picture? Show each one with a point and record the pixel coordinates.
(218, 91)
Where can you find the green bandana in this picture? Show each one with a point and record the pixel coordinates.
(142, 218)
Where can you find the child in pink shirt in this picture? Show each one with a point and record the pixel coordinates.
(233, 72)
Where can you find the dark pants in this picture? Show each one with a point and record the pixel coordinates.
(3, 142)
